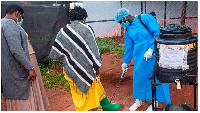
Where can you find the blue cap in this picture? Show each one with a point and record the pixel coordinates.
(121, 13)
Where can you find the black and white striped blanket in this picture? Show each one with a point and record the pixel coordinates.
(76, 48)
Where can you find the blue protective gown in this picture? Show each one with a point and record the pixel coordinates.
(137, 41)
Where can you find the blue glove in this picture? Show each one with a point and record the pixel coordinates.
(124, 67)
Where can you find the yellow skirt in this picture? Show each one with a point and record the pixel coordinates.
(85, 102)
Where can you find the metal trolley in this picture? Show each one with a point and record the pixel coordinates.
(153, 88)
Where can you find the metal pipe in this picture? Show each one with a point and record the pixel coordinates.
(141, 7)
(154, 90)
(165, 13)
(145, 7)
(195, 95)
(152, 87)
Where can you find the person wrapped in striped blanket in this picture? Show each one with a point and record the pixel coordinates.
(75, 46)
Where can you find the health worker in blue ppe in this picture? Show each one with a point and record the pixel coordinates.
(139, 45)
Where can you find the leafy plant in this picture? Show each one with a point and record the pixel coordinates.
(107, 45)
(53, 79)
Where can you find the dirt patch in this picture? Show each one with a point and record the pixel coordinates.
(61, 100)
(110, 76)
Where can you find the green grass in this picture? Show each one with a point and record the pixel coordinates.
(52, 79)
(107, 45)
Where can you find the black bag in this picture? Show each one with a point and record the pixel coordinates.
(182, 107)
(139, 17)
(151, 13)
